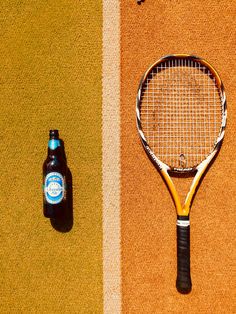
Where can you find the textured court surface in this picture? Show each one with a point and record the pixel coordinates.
(51, 63)
(154, 29)
(76, 66)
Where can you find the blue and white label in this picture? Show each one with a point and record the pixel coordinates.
(54, 188)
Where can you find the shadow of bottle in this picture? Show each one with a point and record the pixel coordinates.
(63, 221)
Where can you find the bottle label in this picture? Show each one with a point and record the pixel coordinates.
(54, 188)
(53, 144)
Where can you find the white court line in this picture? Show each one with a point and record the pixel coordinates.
(111, 157)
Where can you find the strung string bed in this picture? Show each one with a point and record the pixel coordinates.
(181, 112)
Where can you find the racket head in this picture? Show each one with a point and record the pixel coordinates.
(181, 112)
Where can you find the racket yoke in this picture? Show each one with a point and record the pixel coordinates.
(181, 118)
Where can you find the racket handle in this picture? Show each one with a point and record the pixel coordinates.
(183, 282)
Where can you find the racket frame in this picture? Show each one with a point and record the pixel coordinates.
(199, 169)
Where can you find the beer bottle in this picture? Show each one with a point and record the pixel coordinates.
(54, 178)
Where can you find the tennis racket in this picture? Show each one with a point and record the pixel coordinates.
(181, 118)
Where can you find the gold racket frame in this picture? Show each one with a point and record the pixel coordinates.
(201, 168)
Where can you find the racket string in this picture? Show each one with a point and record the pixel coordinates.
(181, 112)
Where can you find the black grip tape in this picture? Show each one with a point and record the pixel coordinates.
(183, 282)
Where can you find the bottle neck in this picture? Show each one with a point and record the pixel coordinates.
(54, 147)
